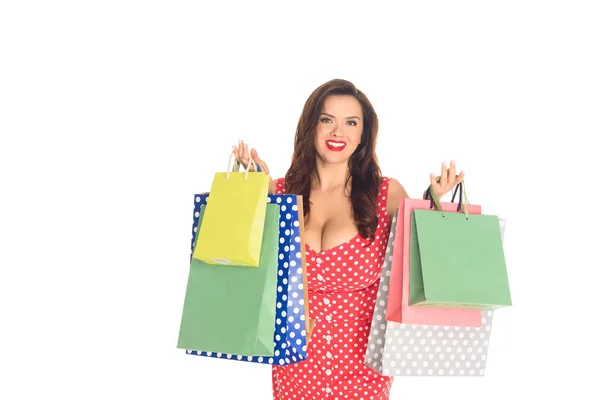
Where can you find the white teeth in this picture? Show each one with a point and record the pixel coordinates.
(336, 144)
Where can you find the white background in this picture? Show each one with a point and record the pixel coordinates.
(114, 114)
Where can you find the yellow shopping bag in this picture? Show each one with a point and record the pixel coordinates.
(234, 218)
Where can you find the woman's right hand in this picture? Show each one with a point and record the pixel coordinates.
(242, 154)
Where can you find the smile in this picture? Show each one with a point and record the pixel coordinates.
(335, 146)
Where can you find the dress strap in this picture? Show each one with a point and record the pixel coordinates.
(382, 198)
(280, 186)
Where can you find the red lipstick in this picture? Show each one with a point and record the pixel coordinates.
(335, 145)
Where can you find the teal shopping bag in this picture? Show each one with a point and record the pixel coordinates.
(232, 310)
(457, 262)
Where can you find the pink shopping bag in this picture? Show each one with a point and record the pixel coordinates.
(398, 309)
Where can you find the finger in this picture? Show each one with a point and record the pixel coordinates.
(256, 166)
(239, 153)
(444, 175)
(243, 156)
(452, 174)
(460, 177)
(264, 167)
(247, 156)
(259, 161)
(236, 154)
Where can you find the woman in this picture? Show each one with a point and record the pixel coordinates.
(347, 222)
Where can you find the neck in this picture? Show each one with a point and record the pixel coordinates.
(330, 176)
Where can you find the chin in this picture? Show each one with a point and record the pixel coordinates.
(331, 157)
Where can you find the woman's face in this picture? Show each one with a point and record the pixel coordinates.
(339, 129)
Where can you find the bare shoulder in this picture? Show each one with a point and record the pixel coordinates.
(395, 192)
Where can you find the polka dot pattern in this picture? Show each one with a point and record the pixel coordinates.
(396, 349)
(342, 286)
(289, 339)
(434, 350)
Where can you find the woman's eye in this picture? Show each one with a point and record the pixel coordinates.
(325, 119)
(353, 123)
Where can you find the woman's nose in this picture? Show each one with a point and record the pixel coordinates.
(336, 131)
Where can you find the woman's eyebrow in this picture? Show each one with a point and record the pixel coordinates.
(329, 115)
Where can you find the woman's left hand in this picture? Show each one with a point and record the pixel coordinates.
(447, 180)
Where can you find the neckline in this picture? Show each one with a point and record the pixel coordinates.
(384, 181)
(335, 247)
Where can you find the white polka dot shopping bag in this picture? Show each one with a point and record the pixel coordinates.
(399, 349)
(291, 312)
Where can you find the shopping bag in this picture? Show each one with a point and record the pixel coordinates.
(308, 322)
(291, 309)
(232, 229)
(399, 349)
(457, 260)
(232, 310)
(398, 307)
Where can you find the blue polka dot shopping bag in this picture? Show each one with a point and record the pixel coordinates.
(290, 323)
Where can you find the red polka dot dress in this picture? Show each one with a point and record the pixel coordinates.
(342, 286)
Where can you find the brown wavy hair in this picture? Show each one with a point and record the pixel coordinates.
(365, 173)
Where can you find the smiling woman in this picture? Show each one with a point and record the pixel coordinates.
(339, 133)
(347, 226)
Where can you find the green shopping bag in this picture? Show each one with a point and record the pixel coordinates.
(232, 310)
(233, 224)
(457, 260)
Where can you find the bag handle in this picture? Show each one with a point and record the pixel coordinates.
(463, 204)
(236, 165)
(429, 196)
